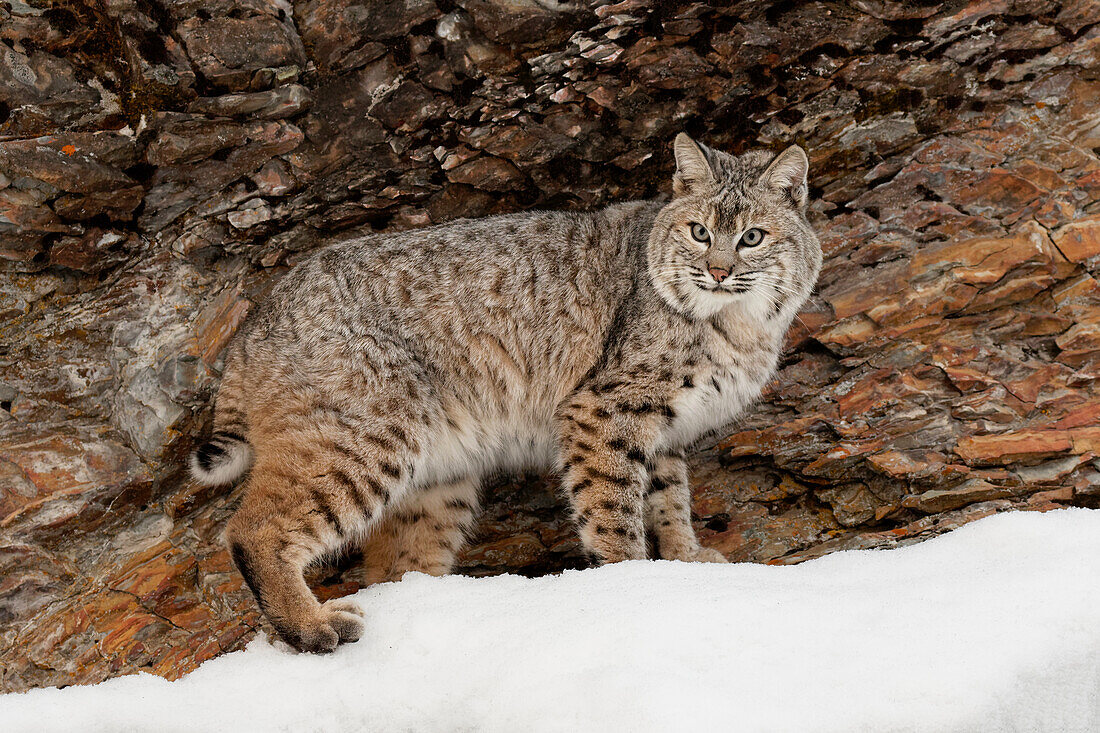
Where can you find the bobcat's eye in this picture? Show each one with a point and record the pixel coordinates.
(752, 237)
(699, 232)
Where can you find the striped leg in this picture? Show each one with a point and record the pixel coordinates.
(603, 466)
(423, 533)
(303, 499)
(380, 550)
(668, 513)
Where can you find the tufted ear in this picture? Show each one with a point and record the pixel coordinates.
(788, 173)
(692, 167)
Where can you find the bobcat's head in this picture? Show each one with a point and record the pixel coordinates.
(735, 234)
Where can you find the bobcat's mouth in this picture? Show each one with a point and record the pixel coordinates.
(735, 285)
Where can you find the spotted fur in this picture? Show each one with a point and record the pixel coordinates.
(385, 376)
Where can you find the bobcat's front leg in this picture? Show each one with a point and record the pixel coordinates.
(668, 513)
(604, 444)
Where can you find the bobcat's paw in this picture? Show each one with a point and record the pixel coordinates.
(692, 553)
(340, 621)
(345, 617)
(707, 554)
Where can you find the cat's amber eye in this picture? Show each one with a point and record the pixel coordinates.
(699, 232)
(752, 237)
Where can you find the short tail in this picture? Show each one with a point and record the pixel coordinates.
(221, 460)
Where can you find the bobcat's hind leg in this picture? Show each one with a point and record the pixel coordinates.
(668, 513)
(422, 533)
(304, 500)
(380, 550)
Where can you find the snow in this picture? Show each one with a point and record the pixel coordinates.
(993, 627)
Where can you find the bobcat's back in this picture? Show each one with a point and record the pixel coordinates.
(498, 319)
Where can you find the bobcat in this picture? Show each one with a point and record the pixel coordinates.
(386, 375)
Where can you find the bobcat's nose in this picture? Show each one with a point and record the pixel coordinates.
(718, 273)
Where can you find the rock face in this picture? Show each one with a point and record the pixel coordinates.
(162, 163)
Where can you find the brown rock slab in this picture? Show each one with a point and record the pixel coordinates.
(227, 51)
(487, 173)
(1079, 240)
(1012, 447)
(934, 501)
(273, 104)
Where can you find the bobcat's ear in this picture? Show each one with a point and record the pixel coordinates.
(788, 173)
(692, 167)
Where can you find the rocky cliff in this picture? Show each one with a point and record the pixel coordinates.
(163, 162)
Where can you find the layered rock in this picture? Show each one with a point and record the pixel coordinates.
(163, 163)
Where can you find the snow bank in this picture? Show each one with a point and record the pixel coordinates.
(995, 626)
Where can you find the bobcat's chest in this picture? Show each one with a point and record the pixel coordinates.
(720, 389)
(713, 402)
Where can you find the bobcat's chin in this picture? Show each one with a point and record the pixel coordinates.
(712, 301)
(754, 304)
